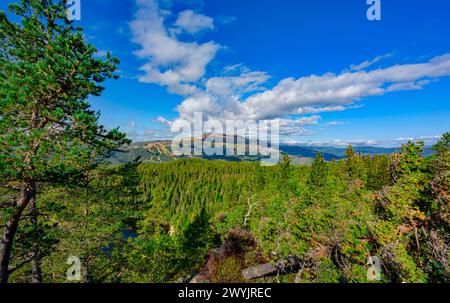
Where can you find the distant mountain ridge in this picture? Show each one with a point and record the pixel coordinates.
(160, 151)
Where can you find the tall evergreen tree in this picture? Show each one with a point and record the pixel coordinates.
(47, 129)
(319, 174)
(349, 152)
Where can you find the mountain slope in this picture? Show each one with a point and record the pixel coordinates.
(160, 151)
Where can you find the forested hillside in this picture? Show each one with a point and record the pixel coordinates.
(211, 220)
(66, 208)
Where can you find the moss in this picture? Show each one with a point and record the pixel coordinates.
(228, 271)
(328, 272)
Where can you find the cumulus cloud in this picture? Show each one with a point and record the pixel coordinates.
(171, 62)
(241, 93)
(221, 98)
(191, 22)
(330, 90)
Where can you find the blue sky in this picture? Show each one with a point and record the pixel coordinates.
(320, 66)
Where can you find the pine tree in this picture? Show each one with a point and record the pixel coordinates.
(318, 176)
(47, 128)
(349, 152)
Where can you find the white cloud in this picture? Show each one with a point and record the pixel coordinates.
(294, 127)
(325, 109)
(345, 143)
(171, 62)
(369, 63)
(191, 22)
(164, 121)
(428, 140)
(404, 86)
(330, 90)
(435, 137)
(289, 141)
(336, 123)
(299, 122)
(140, 134)
(235, 67)
(232, 85)
(240, 93)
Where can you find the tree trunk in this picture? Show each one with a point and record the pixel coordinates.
(7, 239)
(36, 274)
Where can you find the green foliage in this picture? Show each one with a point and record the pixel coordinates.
(164, 256)
(319, 175)
(48, 70)
(328, 272)
(229, 271)
(172, 221)
(183, 213)
(48, 132)
(165, 222)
